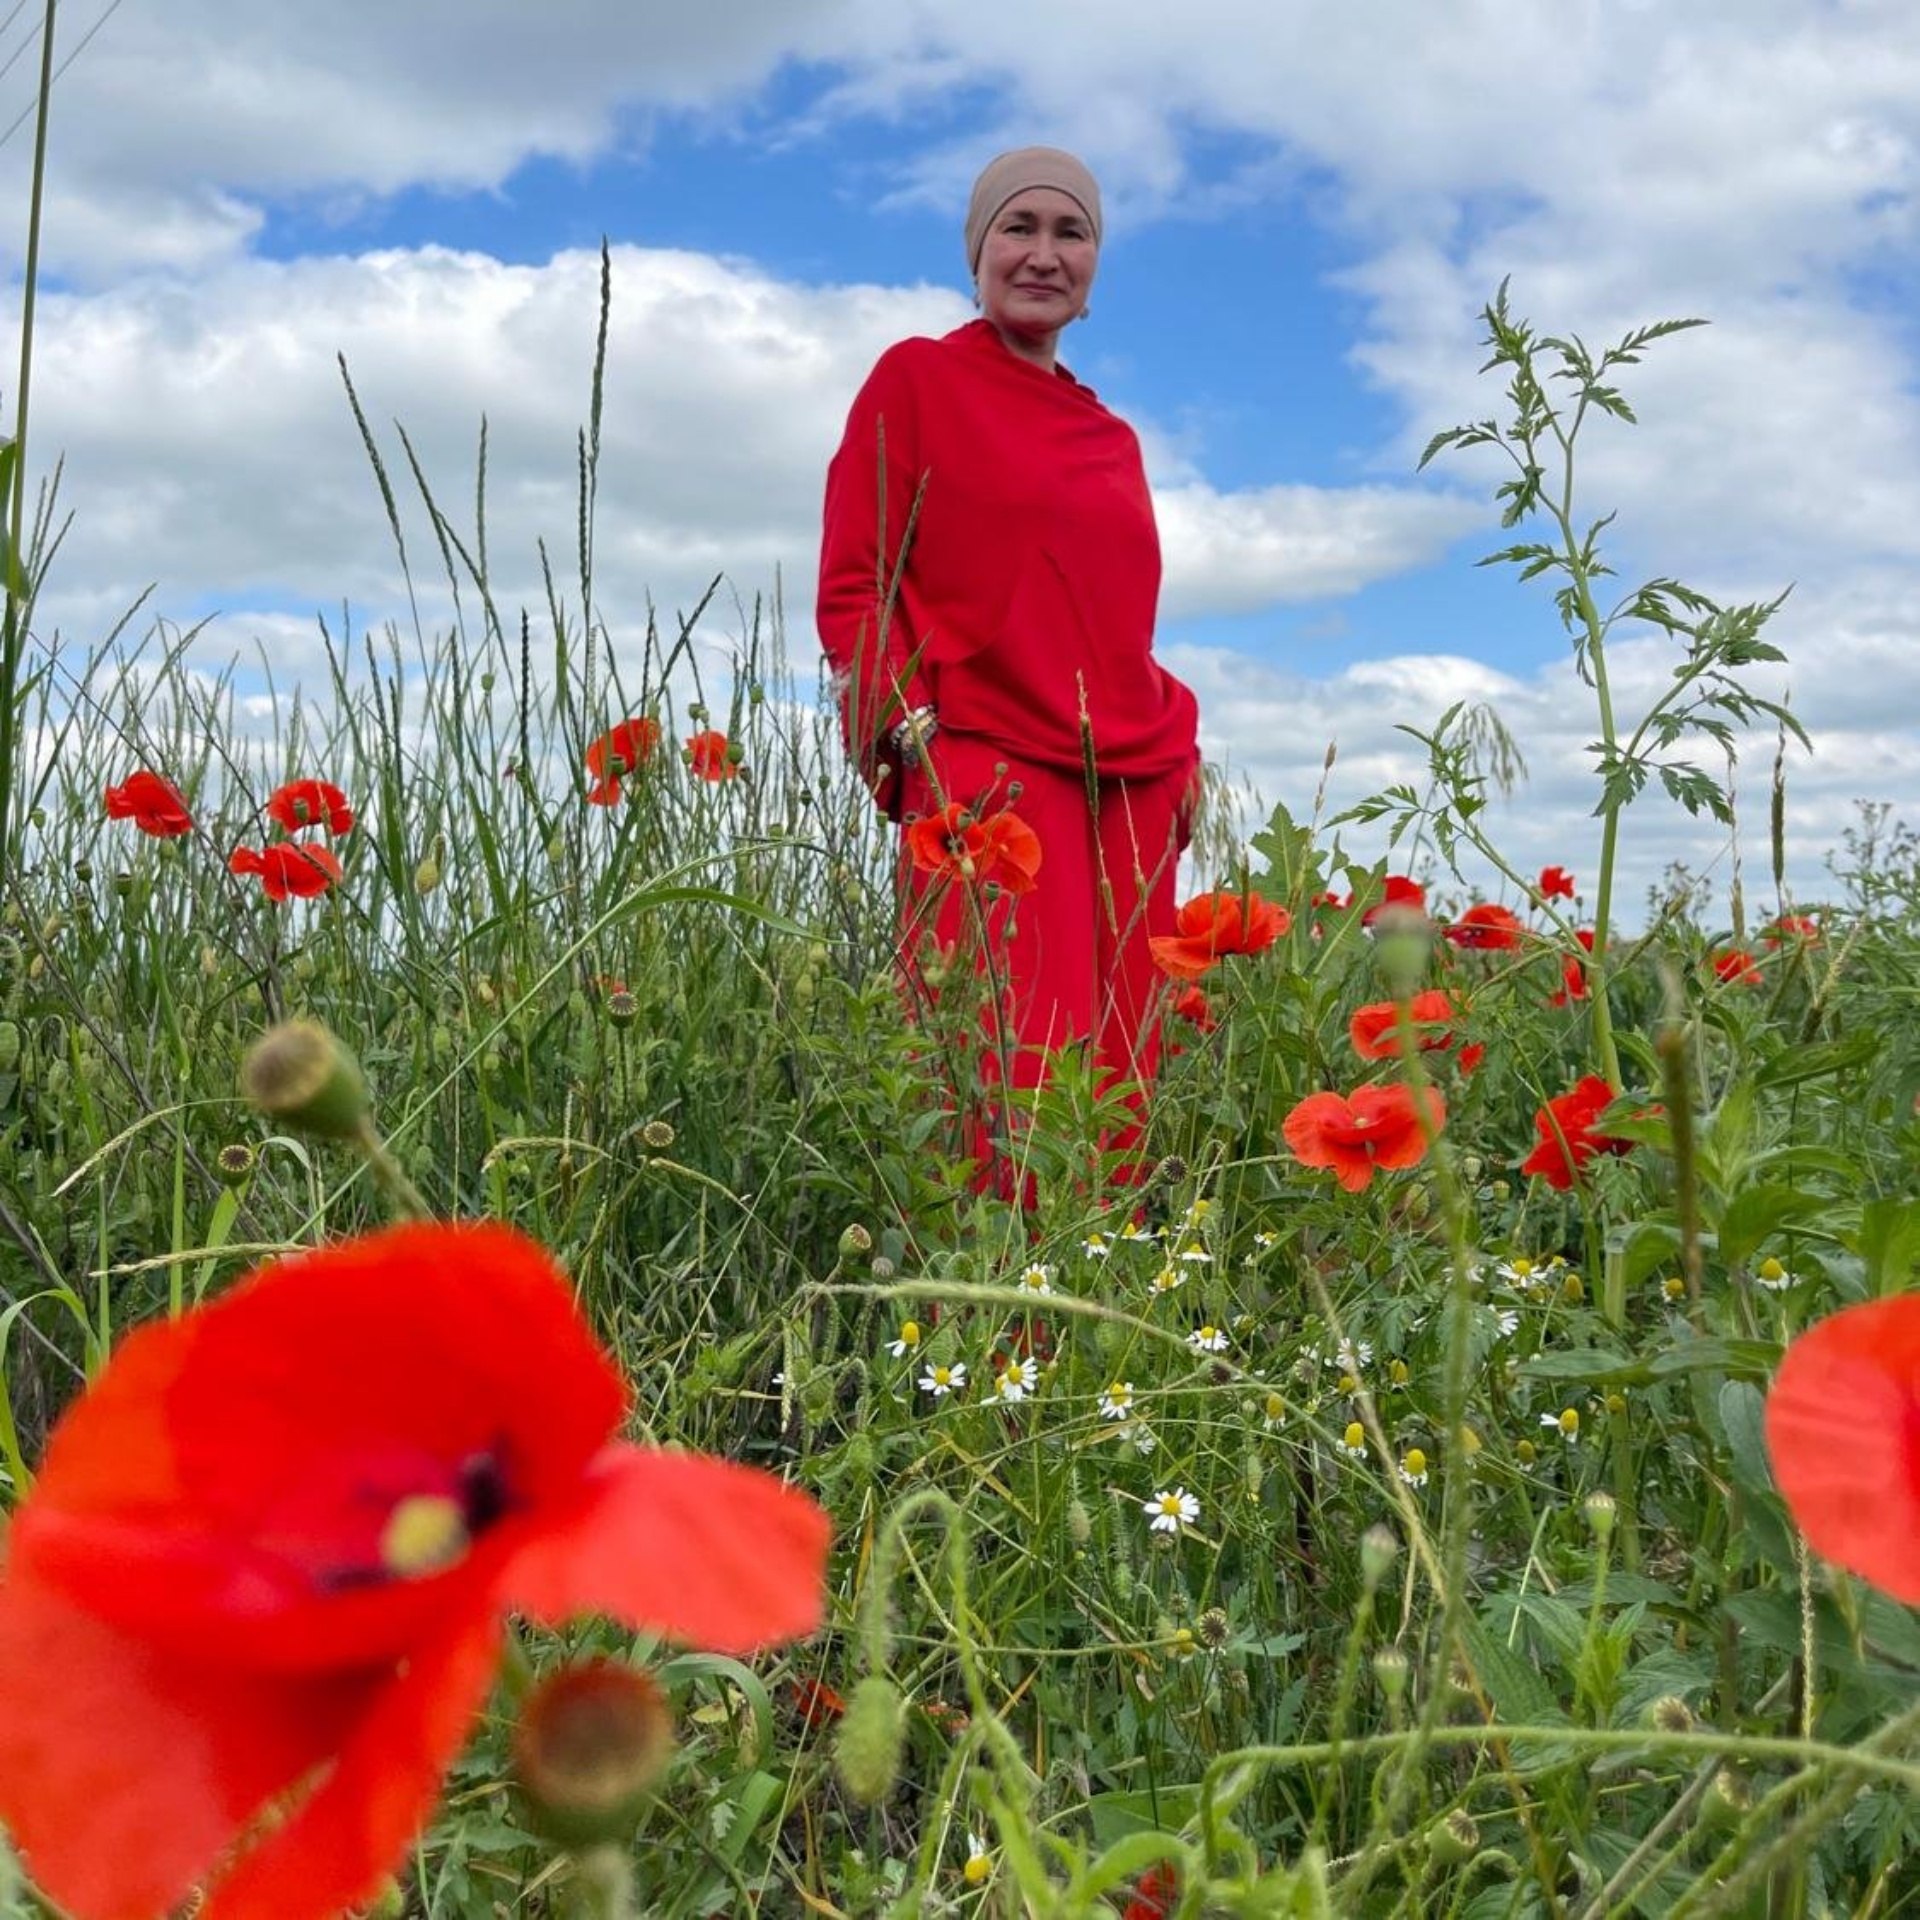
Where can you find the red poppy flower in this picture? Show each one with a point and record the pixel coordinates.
(310, 803)
(255, 1598)
(1487, 928)
(289, 869)
(710, 757)
(816, 1702)
(154, 805)
(1567, 1137)
(1211, 925)
(1573, 973)
(1400, 892)
(1735, 969)
(1191, 1004)
(1375, 1028)
(1469, 1058)
(1843, 1431)
(1356, 1134)
(623, 750)
(1000, 849)
(1155, 1895)
(1792, 926)
(1556, 883)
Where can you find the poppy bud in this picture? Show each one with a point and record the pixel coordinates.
(872, 1734)
(83, 871)
(299, 1073)
(591, 1741)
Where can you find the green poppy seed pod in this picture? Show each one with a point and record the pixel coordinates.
(1379, 1549)
(10, 1044)
(1391, 1669)
(756, 694)
(1670, 1714)
(883, 1268)
(591, 1742)
(872, 1736)
(698, 713)
(1213, 1629)
(854, 1241)
(1471, 1167)
(299, 1074)
(83, 871)
(1454, 1838)
(557, 848)
(486, 683)
(122, 884)
(658, 1134)
(233, 1164)
(1601, 1511)
(1501, 1190)
(622, 1008)
(1728, 1801)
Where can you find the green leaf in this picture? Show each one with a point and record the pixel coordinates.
(1743, 1414)
(1791, 1065)
(1756, 1213)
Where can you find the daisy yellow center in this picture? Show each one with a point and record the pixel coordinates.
(977, 1868)
(910, 1334)
(1771, 1269)
(1415, 1462)
(1276, 1407)
(1355, 1436)
(944, 1375)
(1170, 1505)
(425, 1533)
(1570, 1420)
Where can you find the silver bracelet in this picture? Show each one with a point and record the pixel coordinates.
(907, 738)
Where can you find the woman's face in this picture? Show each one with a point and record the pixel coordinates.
(1037, 266)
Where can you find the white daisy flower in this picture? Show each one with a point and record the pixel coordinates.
(1353, 1443)
(1566, 1423)
(1169, 1512)
(1018, 1378)
(1168, 1278)
(1096, 1246)
(907, 1341)
(1142, 1436)
(1506, 1321)
(1133, 1230)
(1273, 1411)
(1773, 1276)
(1413, 1467)
(1520, 1272)
(978, 1869)
(1037, 1278)
(1265, 1239)
(1195, 1255)
(943, 1380)
(1350, 1356)
(1207, 1340)
(1117, 1402)
(1197, 1211)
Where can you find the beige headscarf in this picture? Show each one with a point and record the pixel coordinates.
(1016, 173)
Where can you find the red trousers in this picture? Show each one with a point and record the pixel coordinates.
(1067, 962)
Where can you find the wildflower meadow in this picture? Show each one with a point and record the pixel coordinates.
(520, 1394)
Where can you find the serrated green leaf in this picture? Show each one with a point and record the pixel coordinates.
(1743, 1410)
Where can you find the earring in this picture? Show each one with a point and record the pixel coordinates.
(1084, 313)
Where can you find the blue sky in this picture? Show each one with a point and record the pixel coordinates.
(1305, 211)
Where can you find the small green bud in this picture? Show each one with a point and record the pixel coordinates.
(1391, 1669)
(1454, 1838)
(299, 1074)
(83, 871)
(1079, 1522)
(1601, 1511)
(1379, 1549)
(866, 1755)
(426, 876)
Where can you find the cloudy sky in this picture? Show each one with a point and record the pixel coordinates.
(1307, 206)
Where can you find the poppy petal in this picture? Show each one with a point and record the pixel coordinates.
(338, 1848)
(1843, 1431)
(701, 1550)
(125, 1774)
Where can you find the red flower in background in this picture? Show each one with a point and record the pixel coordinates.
(1400, 892)
(1556, 883)
(616, 754)
(1735, 969)
(255, 1598)
(1001, 849)
(289, 869)
(1567, 1136)
(710, 758)
(154, 805)
(1843, 1432)
(1573, 974)
(817, 1703)
(310, 803)
(1375, 1028)
(1487, 928)
(1469, 1058)
(1211, 925)
(1191, 1003)
(1792, 926)
(1359, 1133)
(1156, 1894)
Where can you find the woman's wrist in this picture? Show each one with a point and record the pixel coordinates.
(907, 738)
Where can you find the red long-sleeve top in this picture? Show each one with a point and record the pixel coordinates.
(1032, 573)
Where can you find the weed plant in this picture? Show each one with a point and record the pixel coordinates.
(1226, 1542)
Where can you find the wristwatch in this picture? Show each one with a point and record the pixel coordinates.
(907, 738)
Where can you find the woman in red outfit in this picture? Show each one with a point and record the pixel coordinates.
(988, 578)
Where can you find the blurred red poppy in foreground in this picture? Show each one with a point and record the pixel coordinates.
(1359, 1133)
(1792, 926)
(1375, 1029)
(255, 1598)
(1488, 928)
(710, 757)
(1843, 1431)
(1556, 883)
(623, 750)
(1735, 969)
(1400, 892)
(154, 805)
(288, 869)
(1567, 1137)
(310, 803)
(1155, 1895)
(1213, 924)
(953, 844)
